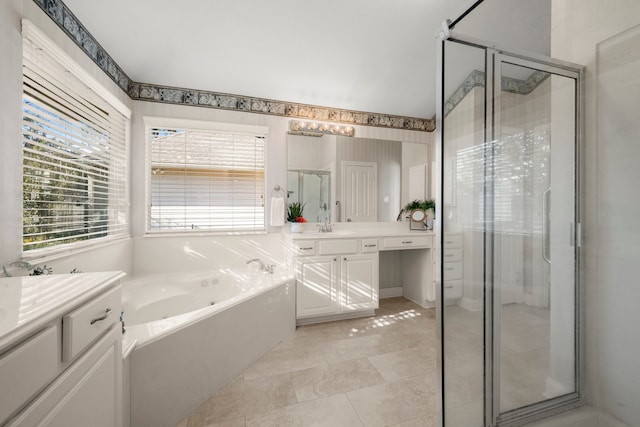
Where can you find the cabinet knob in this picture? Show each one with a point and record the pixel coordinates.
(345, 258)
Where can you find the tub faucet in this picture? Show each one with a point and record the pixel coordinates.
(263, 266)
(35, 270)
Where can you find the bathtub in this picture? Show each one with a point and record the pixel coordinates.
(192, 333)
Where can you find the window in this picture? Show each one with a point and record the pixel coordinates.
(73, 149)
(205, 176)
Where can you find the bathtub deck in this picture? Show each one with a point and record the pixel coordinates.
(372, 371)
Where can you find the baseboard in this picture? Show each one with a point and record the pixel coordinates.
(332, 317)
(394, 292)
(472, 304)
(584, 416)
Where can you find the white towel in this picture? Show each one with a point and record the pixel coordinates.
(277, 211)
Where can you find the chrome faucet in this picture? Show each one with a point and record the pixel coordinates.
(35, 270)
(263, 266)
(326, 227)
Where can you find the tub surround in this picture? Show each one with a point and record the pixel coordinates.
(155, 305)
(60, 349)
(169, 377)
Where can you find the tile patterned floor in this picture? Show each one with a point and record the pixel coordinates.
(376, 371)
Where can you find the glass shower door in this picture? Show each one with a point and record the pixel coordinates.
(508, 295)
(533, 234)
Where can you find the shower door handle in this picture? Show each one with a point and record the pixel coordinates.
(545, 226)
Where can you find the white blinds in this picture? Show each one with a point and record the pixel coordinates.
(74, 156)
(204, 179)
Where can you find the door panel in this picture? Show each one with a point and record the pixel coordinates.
(360, 191)
(533, 152)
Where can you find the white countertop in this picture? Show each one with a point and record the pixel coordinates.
(360, 230)
(29, 302)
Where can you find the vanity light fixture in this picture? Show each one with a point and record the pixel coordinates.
(301, 127)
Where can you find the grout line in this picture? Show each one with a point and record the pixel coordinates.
(354, 409)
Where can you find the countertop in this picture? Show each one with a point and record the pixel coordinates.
(27, 303)
(360, 230)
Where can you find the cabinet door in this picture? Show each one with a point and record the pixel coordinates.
(88, 393)
(317, 292)
(359, 282)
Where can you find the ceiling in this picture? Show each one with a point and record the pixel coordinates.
(367, 55)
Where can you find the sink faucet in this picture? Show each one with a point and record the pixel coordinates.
(326, 227)
(263, 266)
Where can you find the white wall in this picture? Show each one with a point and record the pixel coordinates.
(610, 212)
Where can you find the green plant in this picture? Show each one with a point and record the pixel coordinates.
(421, 204)
(294, 212)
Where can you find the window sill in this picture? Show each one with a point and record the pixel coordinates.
(202, 233)
(52, 254)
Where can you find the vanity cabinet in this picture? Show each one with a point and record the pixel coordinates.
(336, 278)
(68, 370)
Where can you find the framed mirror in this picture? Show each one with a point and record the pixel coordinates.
(417, 220)
(418, 215)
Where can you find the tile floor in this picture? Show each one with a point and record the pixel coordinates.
(376, 371)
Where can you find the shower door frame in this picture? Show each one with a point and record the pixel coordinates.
(493, 57)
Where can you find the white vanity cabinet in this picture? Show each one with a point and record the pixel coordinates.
(335, 278)
(63, 367)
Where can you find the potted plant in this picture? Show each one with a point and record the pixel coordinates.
(294, 216)
(428, 206)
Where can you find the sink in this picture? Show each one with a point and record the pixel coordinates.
(335, 233)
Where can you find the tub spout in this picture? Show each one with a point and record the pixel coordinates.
(263, 266)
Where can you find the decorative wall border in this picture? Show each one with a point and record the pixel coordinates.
(477, 79)
(73, 28)
(202, 98)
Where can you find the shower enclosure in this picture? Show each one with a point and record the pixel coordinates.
(509, 235)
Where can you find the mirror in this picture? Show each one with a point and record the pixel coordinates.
(347, 179)
(418, 215)
(312, 189)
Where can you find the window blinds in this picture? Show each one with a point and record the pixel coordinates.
(74, 155)
(206, 180)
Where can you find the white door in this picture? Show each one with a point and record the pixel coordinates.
(360, 191)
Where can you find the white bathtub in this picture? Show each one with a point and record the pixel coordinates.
(195, 332)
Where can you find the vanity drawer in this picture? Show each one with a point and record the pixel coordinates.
(452, 270)
(369, 246)
(334, 247)
(305, 247)
(86, 324)
(452, 241)
(452, 255)
(408, 242)
(27, 369)
(453, 289)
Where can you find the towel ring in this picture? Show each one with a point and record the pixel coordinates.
(277, 190)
